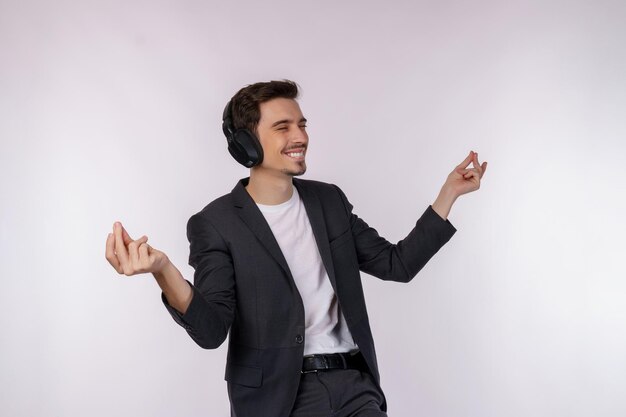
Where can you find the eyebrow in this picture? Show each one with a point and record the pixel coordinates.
(287, 121)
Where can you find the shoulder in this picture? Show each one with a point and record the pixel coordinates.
(319, 186)
(329, 193)
(220, 204)
(220, 208)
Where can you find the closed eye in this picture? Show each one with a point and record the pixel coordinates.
(286, 128)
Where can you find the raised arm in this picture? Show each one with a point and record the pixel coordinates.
(403, 260)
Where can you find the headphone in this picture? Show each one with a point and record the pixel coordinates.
(243, 145)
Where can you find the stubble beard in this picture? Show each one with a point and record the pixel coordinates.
(295, 173)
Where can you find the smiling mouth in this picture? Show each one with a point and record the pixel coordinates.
(295, 155)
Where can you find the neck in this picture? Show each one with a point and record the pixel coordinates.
(268, 189)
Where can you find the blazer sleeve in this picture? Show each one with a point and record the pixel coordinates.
(401, 261)
(210, 313)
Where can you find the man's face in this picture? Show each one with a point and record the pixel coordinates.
(282, 133)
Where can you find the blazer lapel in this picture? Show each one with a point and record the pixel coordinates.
(252, 216)
(314, 211)
(254, 219)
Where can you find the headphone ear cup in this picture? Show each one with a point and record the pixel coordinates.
(246, 148)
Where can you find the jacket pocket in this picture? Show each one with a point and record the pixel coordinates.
(248, 376)
(341, 239)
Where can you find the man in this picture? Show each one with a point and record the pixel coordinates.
(277, 265)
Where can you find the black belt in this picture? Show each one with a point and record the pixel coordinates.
(318, 362)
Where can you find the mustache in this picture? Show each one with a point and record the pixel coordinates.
(298, 147)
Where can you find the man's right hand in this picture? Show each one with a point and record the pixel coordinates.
(132, 257)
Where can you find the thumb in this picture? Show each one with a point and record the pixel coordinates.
(125, 236)
(466, 161)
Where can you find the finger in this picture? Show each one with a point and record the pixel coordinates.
(126, 236)
(154, 255)
(477, 164)
(143, 252)
(466, 161)
(468, 171)
(120, 247)
(133, 251)
(471, 175)
(110, 252)
(484, 167)
(144, 256)
(151, 253)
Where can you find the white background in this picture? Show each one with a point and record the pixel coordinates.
(111, 110)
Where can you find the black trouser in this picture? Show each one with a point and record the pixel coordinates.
(338, 393)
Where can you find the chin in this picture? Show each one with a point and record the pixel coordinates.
(295, 173)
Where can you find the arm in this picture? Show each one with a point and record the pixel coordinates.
(211, 310)
(403, 260)
(443, 203)
(133, 257)
(175, 288)
(206, 311)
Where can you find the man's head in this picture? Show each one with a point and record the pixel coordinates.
(245, 104)
(269, 110)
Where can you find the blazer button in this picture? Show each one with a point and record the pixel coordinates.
(299, 338)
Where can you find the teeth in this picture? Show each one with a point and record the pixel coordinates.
(296, 154)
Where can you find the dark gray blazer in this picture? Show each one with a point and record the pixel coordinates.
(242, 283)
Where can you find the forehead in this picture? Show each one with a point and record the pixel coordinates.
(279, 109)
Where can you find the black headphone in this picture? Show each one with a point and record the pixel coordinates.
(243, 145)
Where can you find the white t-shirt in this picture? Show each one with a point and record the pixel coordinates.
(326, 330)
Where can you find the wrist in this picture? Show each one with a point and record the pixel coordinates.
(447, 193)
(165, 270)
(444, 201)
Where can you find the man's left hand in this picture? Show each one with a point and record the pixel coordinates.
(463, 180)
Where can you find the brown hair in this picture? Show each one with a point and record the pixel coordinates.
(245, 109)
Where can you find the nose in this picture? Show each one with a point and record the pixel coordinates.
(300, 136)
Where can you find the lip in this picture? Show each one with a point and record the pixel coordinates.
(298, 158)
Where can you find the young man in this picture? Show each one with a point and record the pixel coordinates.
(277, 264)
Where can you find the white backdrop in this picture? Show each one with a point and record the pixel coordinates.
(111, 110)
